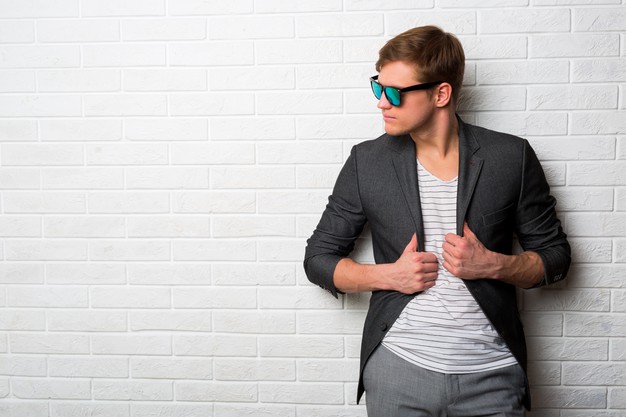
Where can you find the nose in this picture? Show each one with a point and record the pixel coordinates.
(383, 103)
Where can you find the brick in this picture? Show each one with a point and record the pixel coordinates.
(264, 410)
(595, 325)
(569, 397)
(123, 8)
(124, 55)
(599, 70)
(227, 369)
(170, 226)
(523, 72)
(167, 178)
(482, 3)
(130, 297)
(299, 103)
(530, 20)
(457, 22)
(595, 173)
(317, 176)
(38, 8)
(20, 179)
(214, 202)
(599, 123)
(171, 409)
(18, 226)
(286, 6)
(92, 30)
(41, 154)
(44, 202)
(215, 345)
(18, 130)
(40, 106)
(218, 297)
(45, 250)
(340, 25)
(328, 370)
(169, 274)
(569, 349)
(574, 148)
(253, 274)
(599, 19)
(135, 250)
(590, 276)
(88, 367)
(254, 322)
(213, 250)
(333, 76)
(296, 298)
(216, 391)
(126, 105)
(17, 31)
(572, 97)
(201, 7)
(47, 296)
(253, 128)
(390, 5)
(596, 224)
(18, 81)
(128, 202)
(85, 273)
(84, 227)
(251, 27)
(159, 79)
(89, 408)
(252, 78)
(22, 320)
(279, 202)
(302, 393)
(300, 51)
(617, 351)
(80, 130)
(252, 177)
(573, 45)
(166, 29)
(50, 343)
(542, 323)
(586, 199)
(338, 322)
(315, 152)
(257, 226)
(23, 365)
(339, 127)
(544, 373)
(21, 273)
(87, 321)
(301, 346)
(362, 50)
(171, 368)
(75, 81)
(172, 321)
(23, 408)
(211, 104)
(82, 178)
(211, 54)
(524, 124)
(126, 154)
(593, 374)
(53, 388)
(44, 56)
(131, 345)
(492, 98)
(134, 390)
(591, 250)
(500, 47)
(179, 129)
(212, 153)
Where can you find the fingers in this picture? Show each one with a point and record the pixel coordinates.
(412, 246)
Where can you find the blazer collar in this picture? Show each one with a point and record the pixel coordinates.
(404, 163)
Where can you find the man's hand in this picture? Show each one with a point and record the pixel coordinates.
(413, 271)
(466, 257)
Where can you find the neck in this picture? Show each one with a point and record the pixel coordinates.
(440, 138)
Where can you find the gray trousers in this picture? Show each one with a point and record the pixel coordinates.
(397, 388)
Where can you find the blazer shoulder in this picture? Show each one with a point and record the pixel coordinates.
(493, 138)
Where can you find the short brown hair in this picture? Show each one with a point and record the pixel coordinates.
(437, 55)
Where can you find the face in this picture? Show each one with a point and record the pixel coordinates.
(417, 107)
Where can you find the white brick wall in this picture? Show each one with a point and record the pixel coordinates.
(162, 163)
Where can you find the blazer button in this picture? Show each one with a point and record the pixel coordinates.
(384, 327)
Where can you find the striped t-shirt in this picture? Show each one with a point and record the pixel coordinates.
(443, 329)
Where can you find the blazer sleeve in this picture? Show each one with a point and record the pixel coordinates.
(538, 228)
(340, 225)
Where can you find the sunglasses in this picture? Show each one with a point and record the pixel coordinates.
(394, 94)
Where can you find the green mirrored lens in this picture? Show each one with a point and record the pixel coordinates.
(393, 95)
(377, 89)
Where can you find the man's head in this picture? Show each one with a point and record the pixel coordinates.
(435, 54)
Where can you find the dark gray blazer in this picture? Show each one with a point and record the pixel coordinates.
(502, 193)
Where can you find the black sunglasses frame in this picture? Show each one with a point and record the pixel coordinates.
(383, 89)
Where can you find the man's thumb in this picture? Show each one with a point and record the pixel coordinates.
(412, 246)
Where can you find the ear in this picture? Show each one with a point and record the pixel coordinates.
(443, 95)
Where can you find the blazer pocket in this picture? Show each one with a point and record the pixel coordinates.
(497, 216)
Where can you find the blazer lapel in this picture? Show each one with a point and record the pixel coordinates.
(405, 166)
(469, 170)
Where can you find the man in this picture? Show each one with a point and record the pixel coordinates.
(444, 200)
